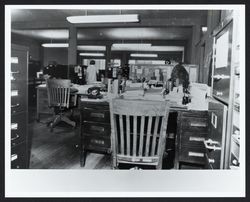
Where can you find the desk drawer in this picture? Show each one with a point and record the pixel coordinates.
(19, 156)
(192, 113)
(193, 124)
(94, 105)
(18, 128)
(192, 155)
(96, 128)
(97, 143)
(193, 139)
(90, 114)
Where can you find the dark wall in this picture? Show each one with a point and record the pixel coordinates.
(33, 45)
(59, 55)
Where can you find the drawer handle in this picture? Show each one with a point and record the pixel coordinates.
(14, 157)
(97, 141)
(196, 154)
(97, 115)
(16, 137)
(198, 124)
(97, 128)
(211, 161)
(197, 139)
(16, 105)
(212, 147)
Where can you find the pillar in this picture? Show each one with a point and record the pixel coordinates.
(72, 50)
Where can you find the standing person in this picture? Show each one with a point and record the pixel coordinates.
(91, 72)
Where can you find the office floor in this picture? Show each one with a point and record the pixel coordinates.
(59, 149)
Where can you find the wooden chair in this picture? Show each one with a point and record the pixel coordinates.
(138, 130)
(59, 98)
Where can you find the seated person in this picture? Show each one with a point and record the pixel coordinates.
(179, 76)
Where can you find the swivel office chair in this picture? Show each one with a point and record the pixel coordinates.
(59, 97)
(138, 131)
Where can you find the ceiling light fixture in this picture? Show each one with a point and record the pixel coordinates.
(131, 45)
(103, 18)
(92, 54)
(143, 55)
(55, 45)
(91, 48)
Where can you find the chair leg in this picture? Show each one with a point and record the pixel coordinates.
(68, 121)
(114, 163)
(56, 120)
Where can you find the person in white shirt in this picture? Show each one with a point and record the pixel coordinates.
(91, 73)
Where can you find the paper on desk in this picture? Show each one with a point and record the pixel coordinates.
(82, 89)
(198, 97)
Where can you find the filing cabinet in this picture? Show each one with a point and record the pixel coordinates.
(19, 107)
(192, 129)
(95, 129)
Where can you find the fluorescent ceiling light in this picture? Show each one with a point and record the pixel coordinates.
(103, 18)
(131, 45)
(149, 48)
(55, 45)
(91, 48)
(92, 54)
(143, 55)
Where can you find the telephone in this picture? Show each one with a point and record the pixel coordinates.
(94, 93)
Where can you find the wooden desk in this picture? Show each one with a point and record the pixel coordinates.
(191, 127)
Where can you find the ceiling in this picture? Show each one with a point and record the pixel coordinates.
(128, 33)
(46, 25)
(29, 15)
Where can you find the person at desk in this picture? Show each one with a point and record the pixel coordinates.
(180, 76)
(91, 76)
